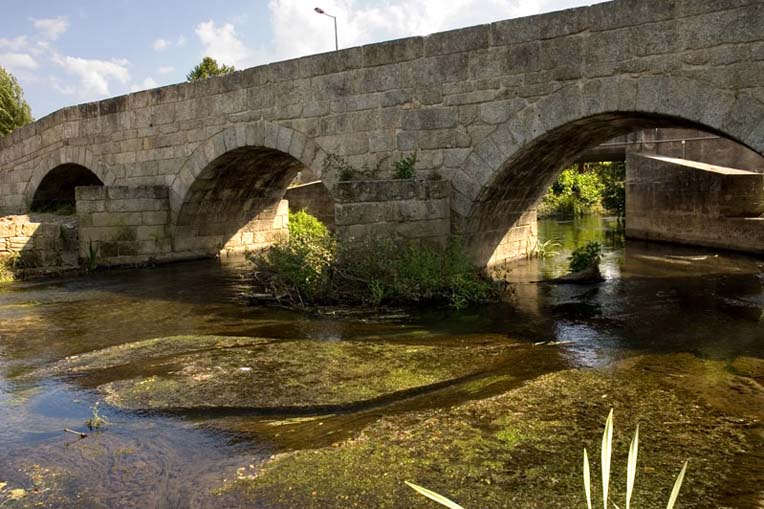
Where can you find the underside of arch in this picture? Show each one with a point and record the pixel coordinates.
(235, 203)
(501, 222)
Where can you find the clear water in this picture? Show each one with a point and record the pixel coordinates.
(656, 299)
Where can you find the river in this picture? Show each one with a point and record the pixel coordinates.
(689, 319)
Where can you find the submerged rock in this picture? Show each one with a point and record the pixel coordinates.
(198, 372)
(521, 449)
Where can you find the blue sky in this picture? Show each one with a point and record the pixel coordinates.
(72, 51)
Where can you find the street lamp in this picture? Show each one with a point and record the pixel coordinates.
(321, 11)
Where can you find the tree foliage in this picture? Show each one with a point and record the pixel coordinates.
(14, 110)
(207, 68)
(585, 189)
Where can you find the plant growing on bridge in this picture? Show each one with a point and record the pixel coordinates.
(14, 110)
(405, 167)
(336, 163)
(586, 257)
(208, 68)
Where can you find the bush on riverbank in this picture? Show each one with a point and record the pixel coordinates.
(589, 188)
(7, 268)
(309, 268)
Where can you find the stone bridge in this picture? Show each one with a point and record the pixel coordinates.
(493, 112)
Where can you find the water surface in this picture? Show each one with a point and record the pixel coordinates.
(657, 299)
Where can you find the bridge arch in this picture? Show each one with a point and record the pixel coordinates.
(507, 173)
(232, 185)
(58, 173)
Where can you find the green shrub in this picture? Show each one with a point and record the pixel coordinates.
(405, 168)
(309, 268)
(394, 271)
(586, 257)
(298, 267)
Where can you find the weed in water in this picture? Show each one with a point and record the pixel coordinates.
(91, 261)
(586, 257)
(96, 420)
(606, 455)
(546, 249)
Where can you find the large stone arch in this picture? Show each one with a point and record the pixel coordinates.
(69, 155)
(508, 171)
(228, 195)
(263, 134)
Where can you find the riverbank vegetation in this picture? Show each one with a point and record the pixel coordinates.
(7, 268)
(587, 188)
(310, 268)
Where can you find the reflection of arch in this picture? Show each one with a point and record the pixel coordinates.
(507, 172)
(230, 188)
(71, 157)
(56, 189)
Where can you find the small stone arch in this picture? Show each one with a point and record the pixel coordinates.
(79, 156)
(261, 134)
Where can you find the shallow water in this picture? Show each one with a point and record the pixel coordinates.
(658, 299)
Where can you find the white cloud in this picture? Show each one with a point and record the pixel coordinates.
(223, 44)
(161, 44)
(51, 28)
(16, 44)
(94, 75)
(166, 69)
(15, 62)
(181, 41)
(145, 85)
(61, 88)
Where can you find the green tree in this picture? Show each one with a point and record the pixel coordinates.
(208, 68)
(14, 110)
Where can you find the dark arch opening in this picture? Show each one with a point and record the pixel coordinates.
(503, 212)
(235, 203)
(56, 190)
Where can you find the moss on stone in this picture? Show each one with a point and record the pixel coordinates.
(522, 449)
(188, 372)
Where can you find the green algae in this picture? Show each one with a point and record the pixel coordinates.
(189, 372)
(522, 449)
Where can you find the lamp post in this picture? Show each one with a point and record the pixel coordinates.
(321, 11)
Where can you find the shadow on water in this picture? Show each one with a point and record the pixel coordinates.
(657, 299)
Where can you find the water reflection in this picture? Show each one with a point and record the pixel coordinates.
(656, 299)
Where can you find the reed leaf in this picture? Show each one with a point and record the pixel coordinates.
(434, 496)
(677, 487)
(587, 480)
(631, 468)
(607, 452)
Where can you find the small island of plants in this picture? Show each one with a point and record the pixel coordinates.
(311, 268)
